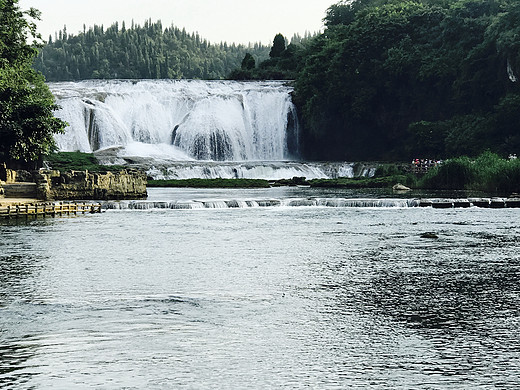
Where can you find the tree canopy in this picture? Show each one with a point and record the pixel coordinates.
(392, 79)
(282, 64)
(27, 121)
(278, 46)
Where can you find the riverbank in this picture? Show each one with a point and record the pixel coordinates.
(46, 185)
(349, 183)
(17, 201)
(488, 173)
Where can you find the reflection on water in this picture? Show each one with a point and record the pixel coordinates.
(300, 297)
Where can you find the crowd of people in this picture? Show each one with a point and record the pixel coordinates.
(422, 165)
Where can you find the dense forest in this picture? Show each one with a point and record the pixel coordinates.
(145, 52)
(392, 79)
(283, 63)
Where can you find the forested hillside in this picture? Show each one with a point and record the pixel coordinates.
(148, 51)
(395, 79)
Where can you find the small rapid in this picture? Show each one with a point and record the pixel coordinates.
(254, 203)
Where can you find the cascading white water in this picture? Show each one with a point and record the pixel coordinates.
(181, 129)
(250, 203)
(179, 120)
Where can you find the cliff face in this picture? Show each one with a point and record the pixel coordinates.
(74, 185)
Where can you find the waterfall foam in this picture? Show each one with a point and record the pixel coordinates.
(255, 203)
(182, 119)
(268, 170)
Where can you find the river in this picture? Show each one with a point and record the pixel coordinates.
(261, 297)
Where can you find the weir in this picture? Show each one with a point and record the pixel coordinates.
(315, 202)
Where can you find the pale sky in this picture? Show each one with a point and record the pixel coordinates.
(239, 21)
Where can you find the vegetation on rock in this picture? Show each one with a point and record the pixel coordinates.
(488, 173)
(210, 183)
(78, 161)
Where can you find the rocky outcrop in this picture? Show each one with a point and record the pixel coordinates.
(84, 185)
(400, 188)
(7, 176)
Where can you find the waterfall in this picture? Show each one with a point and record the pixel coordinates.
(511, 73)
(181, 129)
(179, 120)
(267, 170)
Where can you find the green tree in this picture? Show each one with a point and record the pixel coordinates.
(248, 62)
(27, 122)
(278, 46)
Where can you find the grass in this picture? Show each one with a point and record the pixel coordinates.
(376, 182)
(78, 161)
(365, 182)
(210, 183)
(488, 173)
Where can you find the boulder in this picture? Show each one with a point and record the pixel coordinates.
(400, 187)
(513, 202)
(429, 235)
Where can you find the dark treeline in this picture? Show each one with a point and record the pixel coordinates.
(401, 79)
(149, 51)
(284, 60)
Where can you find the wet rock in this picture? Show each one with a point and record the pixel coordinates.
(513, 202)
(461, 203)
(442, 204)
(486, 203)
(497, 203)
(400, 188)
(425, 203)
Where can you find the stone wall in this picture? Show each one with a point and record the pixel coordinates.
(7, 176)
(84, 185)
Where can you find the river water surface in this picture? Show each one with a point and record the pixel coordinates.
(261, 297)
